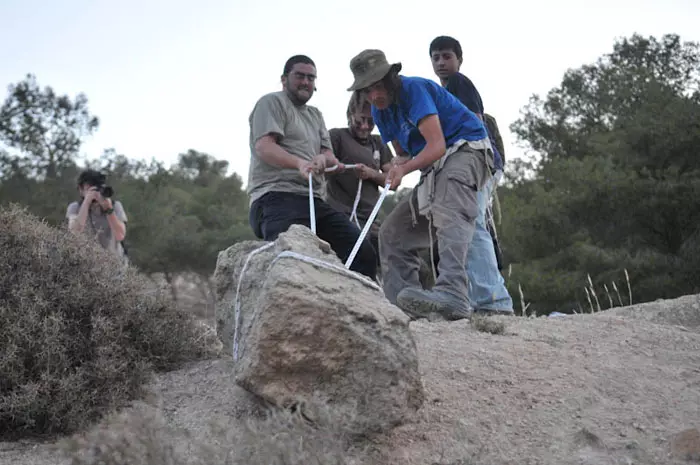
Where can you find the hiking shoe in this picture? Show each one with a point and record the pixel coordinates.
(421, 303)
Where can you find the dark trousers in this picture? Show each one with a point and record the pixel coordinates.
(372, 235)
(275, 212)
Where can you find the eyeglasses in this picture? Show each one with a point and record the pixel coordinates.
(300, 76)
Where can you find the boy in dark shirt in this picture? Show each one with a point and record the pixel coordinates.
(487, 290)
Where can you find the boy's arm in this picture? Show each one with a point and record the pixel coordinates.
(431, 131)
(423, 113)
(117, 220)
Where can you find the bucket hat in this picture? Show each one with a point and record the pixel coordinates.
(370, 66)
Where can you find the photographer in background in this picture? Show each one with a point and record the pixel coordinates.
(96, 215)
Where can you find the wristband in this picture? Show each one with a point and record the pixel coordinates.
(109, 211)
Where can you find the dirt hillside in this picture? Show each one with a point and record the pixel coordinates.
(616, 387)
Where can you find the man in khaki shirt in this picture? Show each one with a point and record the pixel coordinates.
(289, 140)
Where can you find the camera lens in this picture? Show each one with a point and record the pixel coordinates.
(106, 191)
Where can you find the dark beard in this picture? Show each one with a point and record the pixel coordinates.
(363, 140)
(295, 98)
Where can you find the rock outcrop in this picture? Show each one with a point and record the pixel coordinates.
(308, 327)
(683, 312)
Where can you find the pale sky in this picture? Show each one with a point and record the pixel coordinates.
(168, 76)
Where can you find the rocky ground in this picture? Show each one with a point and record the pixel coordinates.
(617, 387)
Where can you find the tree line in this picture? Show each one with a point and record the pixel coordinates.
(605, 208)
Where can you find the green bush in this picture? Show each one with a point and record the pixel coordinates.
(79, 335)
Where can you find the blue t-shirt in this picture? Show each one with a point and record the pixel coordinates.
(419, 98)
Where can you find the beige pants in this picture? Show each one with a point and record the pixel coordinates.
(454, 210)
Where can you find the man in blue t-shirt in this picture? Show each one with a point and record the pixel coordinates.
(487, 290)
(433, 132)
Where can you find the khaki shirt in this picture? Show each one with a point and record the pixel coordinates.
(97, 225)
(302, 133)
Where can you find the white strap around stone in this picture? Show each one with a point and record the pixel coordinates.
(329, 266)
(237, 302)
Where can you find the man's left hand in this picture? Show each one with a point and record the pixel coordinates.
(105, 203)
(364, 171)
(319, 164)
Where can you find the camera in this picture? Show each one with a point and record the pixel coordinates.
(105, 190)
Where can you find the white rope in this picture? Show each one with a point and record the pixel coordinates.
(237, 302)
(327, 265)
(312, 208)
(353, 215)
(365, 230)
(335, 167)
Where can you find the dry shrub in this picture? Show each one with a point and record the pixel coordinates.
(317, 435)
(79, 334)
(135, 437)
(487, 324)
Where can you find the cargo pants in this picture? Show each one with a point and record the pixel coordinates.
(454, 211)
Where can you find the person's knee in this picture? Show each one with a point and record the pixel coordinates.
(367, 269)
(366, 260)
(255, 219)
(374, 240)
(464, 214)
(277, 211)
(388, 234)
(368, 251)
(271, 229)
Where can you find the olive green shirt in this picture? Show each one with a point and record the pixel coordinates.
(342, 187)
(302, 132)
